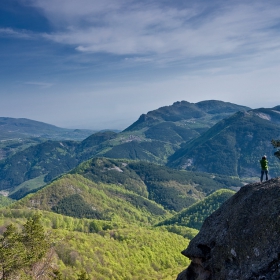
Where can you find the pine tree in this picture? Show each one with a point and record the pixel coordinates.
(12, 252)
(34, 239)
(26, 255)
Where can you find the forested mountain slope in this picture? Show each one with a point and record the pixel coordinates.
(18, 134)
(152, 141)
(194, 215)
(159, 133)
(103, 188)
(105, 210)
(48, 160)
(234, 146)
(99, 249)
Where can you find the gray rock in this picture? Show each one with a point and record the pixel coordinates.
(241, 240)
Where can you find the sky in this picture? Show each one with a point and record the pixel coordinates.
(101, 64)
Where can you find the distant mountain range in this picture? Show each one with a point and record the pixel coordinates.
(12, 128)
(18, 134)
(209, 136)
(158, 134)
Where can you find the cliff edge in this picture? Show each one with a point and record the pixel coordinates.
(241, 240)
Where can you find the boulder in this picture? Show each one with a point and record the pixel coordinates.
(241, 240)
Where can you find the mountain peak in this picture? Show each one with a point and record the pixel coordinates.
(241, 239)
(184, 110)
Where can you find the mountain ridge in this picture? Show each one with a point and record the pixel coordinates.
(234, 145)
(25, 128)
(149, 186)
(154, 143)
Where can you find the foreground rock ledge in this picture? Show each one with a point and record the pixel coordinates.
(241, 240)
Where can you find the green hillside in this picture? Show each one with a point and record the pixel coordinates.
(124, 190)
(172, 189)
(48, 160)
(5, 201)
(18, 134)
(76, 196)
(106, 250)
(233, 146)
(153, 138)
(158, 134)
(101, 217)
(106, 230)
(10, 147)
(194, 216)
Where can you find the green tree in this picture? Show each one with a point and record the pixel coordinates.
(83, 276)
(12, 253)
(34, 239)
(27, 254)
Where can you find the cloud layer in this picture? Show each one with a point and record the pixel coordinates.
(172, 32)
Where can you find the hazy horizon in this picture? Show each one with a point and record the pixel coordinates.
(100, 65)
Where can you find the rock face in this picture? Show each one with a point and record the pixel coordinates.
(241, 240)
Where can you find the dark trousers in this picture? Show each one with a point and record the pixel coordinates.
(266, 174)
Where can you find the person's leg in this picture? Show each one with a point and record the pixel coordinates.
(262, 172)
(266, 174)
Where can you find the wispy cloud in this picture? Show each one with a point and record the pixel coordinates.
(133, 28)
(9, 32)
(39, 84)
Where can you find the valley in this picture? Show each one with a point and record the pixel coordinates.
(124, 205)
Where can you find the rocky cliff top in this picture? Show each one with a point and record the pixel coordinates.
(241, 240)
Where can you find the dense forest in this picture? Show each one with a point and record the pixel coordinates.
(69, 248)
(83, 210)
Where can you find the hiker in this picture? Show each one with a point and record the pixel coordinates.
(264, 166)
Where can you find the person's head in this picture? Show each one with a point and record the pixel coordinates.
(264, 157)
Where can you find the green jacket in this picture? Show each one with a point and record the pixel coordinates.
(264, 164)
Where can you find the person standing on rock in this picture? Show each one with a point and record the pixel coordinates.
(264, 167)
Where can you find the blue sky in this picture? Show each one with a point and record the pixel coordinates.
(100, 64)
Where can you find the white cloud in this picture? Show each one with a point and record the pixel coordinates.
(9, 32)
(128, 27)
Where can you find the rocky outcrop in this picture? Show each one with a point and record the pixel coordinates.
(241, 240)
